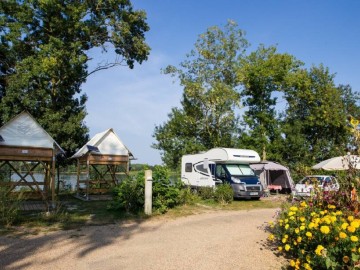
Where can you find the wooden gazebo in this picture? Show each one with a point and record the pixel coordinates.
(27, 158)
(100, 162)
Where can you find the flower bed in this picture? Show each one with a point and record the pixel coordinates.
(320, 233)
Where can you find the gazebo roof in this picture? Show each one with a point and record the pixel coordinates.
(24, 131)
(104, 143)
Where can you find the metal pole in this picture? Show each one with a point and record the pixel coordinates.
(148, 192)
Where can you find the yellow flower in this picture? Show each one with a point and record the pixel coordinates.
(342, 235)
(312, 214)
(309, 234)
(330, 206)
(291, 213)
(299, 239)
(293, 208)
(351, 229)
(307, 266)
(344, 225)
(297, 230)
(271, 237)
(325, 229)
(311, 225)
(280, 248)
(292, 263)
(303, 204)
(287, 226)
(338, 213)
(284, 240)
(346, 259)
(354, 238)
(319, 250)
(350, 218)
(333, 219)
(355, 224)
(302, 219)
(287, 247)
(359, 250)
(302, 227)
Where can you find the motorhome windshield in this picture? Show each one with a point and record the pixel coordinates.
(239, 169)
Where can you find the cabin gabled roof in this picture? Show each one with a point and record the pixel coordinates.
(24, 131)
(104, 143)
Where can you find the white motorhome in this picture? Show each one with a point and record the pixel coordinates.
(223, 165)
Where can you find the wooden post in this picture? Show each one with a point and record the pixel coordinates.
(78, 178)
(148, 192)
(52, 181)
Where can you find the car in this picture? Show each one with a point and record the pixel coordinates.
(305, 187)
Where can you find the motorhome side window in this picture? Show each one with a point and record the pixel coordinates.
(188, 167)
(200, 168)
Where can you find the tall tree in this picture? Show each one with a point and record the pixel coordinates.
(264, 74)
(45, 45)
(314, 128)
(210, 80)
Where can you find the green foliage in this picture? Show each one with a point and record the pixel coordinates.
(187, 196)
(209, 77)
(45, 46)
(206, 193)
(224, 194)
(315, 235)
(264, 73)
(315, 123)
(9, 207)
(129, 195)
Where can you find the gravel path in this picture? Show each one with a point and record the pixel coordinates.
(216, 240)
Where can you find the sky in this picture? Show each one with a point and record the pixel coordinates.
(134, 101)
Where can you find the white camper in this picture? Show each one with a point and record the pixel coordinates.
(223, 165)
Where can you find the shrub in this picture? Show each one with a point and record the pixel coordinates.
(187, 196)
(165, 193)
(224, 194)
(9, 207)
(206, 193)
(129, 195)
(316, 234)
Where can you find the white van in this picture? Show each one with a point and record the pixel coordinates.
(223, 165)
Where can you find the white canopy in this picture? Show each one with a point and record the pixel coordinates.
(104, 143)
(340, 163)
(24, 130)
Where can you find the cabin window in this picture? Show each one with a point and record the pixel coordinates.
(200, 168)
(188, 167)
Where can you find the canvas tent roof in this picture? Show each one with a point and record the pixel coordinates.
(272, 173)
(104, 143)
(24, 130)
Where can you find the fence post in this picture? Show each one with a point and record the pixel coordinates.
(148, 192)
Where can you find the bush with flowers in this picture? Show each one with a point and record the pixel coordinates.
(320, 233)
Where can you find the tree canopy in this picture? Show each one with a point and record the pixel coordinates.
(230, 99)
(43, 49)
(207, 117)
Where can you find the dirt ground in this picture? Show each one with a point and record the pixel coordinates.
(215, 240)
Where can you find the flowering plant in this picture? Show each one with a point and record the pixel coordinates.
(316, 235)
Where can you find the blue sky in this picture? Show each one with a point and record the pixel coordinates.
(133, 102)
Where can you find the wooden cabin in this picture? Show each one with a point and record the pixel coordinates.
(100, 162)
(27, 158)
